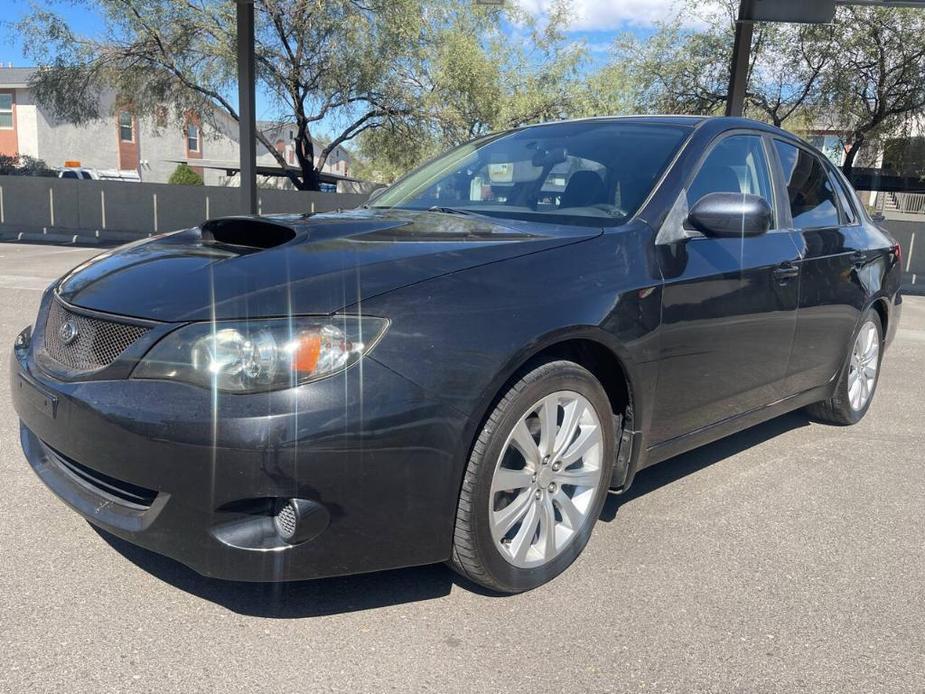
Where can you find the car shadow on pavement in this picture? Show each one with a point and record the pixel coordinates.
(300, 599)
(674, 469)
(296, 599)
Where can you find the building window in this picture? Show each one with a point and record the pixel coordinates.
(126, 127)
(192, 137)
(6, 110)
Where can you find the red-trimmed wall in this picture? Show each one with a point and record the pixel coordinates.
(9, 141)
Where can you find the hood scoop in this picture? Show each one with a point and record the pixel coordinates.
(247, 232)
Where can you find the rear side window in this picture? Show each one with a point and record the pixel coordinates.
(844, 197)
(809, 190)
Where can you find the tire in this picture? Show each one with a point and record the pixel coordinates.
(500, 482)
(845, 407)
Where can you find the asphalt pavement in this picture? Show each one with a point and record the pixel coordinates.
(787, 558)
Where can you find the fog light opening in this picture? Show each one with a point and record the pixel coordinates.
(286, 520)
(299, 520)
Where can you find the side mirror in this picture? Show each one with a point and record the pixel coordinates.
(375, 194)
(730, 215)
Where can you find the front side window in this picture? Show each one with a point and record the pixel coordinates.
(736, 165)
(811, 195)
(593, 173)
(192, 137)
(126, 127)
(6, 110)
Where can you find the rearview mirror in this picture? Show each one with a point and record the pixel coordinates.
(730, 215)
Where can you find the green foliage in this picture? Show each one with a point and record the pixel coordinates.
(863, 75)
(183, 175)
(876, 87)
(23, 165)
(342, 62)
(480, 69)
(406, 79)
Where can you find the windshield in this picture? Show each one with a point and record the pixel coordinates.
(591, 173)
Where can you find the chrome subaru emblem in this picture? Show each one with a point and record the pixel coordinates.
(68, 332)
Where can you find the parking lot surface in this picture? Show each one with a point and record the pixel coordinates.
(787, 558)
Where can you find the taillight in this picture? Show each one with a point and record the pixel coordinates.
(898, 254)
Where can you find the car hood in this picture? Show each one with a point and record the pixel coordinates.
(315, 264)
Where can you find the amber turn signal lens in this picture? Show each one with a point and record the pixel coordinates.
(306, 353)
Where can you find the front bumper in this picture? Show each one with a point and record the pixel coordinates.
(168, 467)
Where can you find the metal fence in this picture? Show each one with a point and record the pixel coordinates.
(88, 210)
(907, 203)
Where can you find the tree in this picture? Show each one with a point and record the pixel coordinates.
(343, 63)
(183, 175)
(878, 82)
(862, 76)
(679, 70)
(480, 69)
(23, 165)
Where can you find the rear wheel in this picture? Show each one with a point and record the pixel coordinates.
(536, 480)
(858, 381)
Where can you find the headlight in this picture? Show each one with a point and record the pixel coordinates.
(260, 355)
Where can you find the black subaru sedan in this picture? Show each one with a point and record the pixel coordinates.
(461, 370)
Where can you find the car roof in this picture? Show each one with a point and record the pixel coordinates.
(688, 121)
(714, 124)
(691, 121)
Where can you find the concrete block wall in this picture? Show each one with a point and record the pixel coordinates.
(91, 211)
(910, 233)
(100, 209)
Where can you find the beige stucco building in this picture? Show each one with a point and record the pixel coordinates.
(151, 144)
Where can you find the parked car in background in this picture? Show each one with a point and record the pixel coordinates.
(462, 370)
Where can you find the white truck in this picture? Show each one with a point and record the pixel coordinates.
(73, 169)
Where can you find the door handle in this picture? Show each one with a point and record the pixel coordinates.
(858, 259)
(785, 272)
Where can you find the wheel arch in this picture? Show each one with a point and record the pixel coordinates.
(590, 348)
(882, 307)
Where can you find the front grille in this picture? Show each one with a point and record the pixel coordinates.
(96, 344)
(126, 493)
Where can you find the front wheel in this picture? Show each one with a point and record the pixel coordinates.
(858, 380)
(536, 480)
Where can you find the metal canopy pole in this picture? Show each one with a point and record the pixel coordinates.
(247, 123)
(751, 11)
(738, 78)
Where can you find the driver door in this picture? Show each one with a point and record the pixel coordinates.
(729, 304)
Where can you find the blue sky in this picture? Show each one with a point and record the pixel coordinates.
(596, 21)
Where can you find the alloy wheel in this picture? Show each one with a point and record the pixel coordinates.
(862, 370)
(546, 479)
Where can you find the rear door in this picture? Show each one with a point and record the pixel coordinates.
(831, 293)
(729, 304)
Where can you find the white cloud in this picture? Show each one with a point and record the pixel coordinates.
(607, 15)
